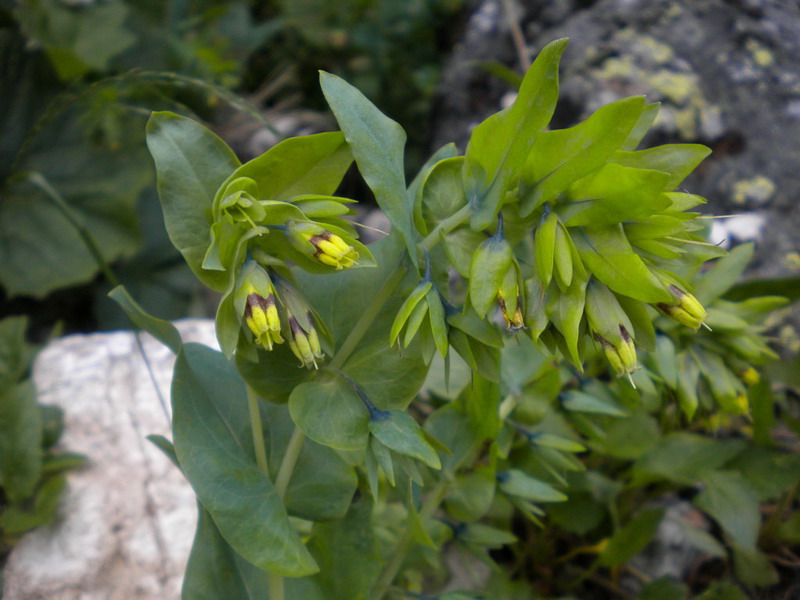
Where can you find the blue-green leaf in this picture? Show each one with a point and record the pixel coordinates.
(214, 447)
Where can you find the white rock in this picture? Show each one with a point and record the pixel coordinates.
(127, 521)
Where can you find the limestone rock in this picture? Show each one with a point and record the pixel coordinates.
(127, 521)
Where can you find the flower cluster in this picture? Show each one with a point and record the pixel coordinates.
(259, 231)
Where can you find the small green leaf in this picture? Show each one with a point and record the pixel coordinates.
(407, 308)
(398, 431)
(164, 331)
(723, 274)
(20, 441)
(485, 535)
(330, 412)
(544, 247)
(559, 158)
(632, 538)
(517, 483)
(470, 495)
(499, 146)
(440, 195)
(566, 313)
(311, 164)
(489, 264)
(730, 501)
(576, 401)
(614, 194)
(684, 458)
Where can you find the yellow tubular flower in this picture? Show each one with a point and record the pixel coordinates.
(688, 311)
(333, 250)
(261, 317)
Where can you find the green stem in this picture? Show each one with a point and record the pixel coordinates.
(367, 317)
(258, 431)
(289, 461)
(445, 227)
(275, 587)
(274, 581)
(390, 571)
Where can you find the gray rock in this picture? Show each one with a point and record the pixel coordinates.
(127, 520)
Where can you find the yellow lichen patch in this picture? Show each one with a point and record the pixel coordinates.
(789, 338)
(760, 54)
(757, 189)
(792, 261)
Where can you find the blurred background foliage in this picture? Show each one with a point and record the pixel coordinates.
(86, 74)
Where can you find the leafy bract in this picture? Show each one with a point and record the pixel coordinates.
(499, 146)
(607, 253)
(377, 144)
(560, 157)
(164, 331)
(311, 164)
(330, 412)
(191, 164)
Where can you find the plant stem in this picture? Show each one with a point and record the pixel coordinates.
(516, 34)
(258, 431)
(390, 571)
(275, 587)
(289, 461)
(446, 226)
(274, 581)
(367, 317)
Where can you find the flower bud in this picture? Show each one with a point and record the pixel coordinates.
(239, 203)
(750, 376)
(514, 321)
(490, 263)
(688, 311)
(328, 248)
(621, 355)
(509, 298)
(305, 342)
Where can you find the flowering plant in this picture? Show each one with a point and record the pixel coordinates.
(421, 392)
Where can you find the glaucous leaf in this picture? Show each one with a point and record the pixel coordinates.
(191, 164)
(377, 143)
(214, 447)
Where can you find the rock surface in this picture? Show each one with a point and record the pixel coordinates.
(127, 520)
